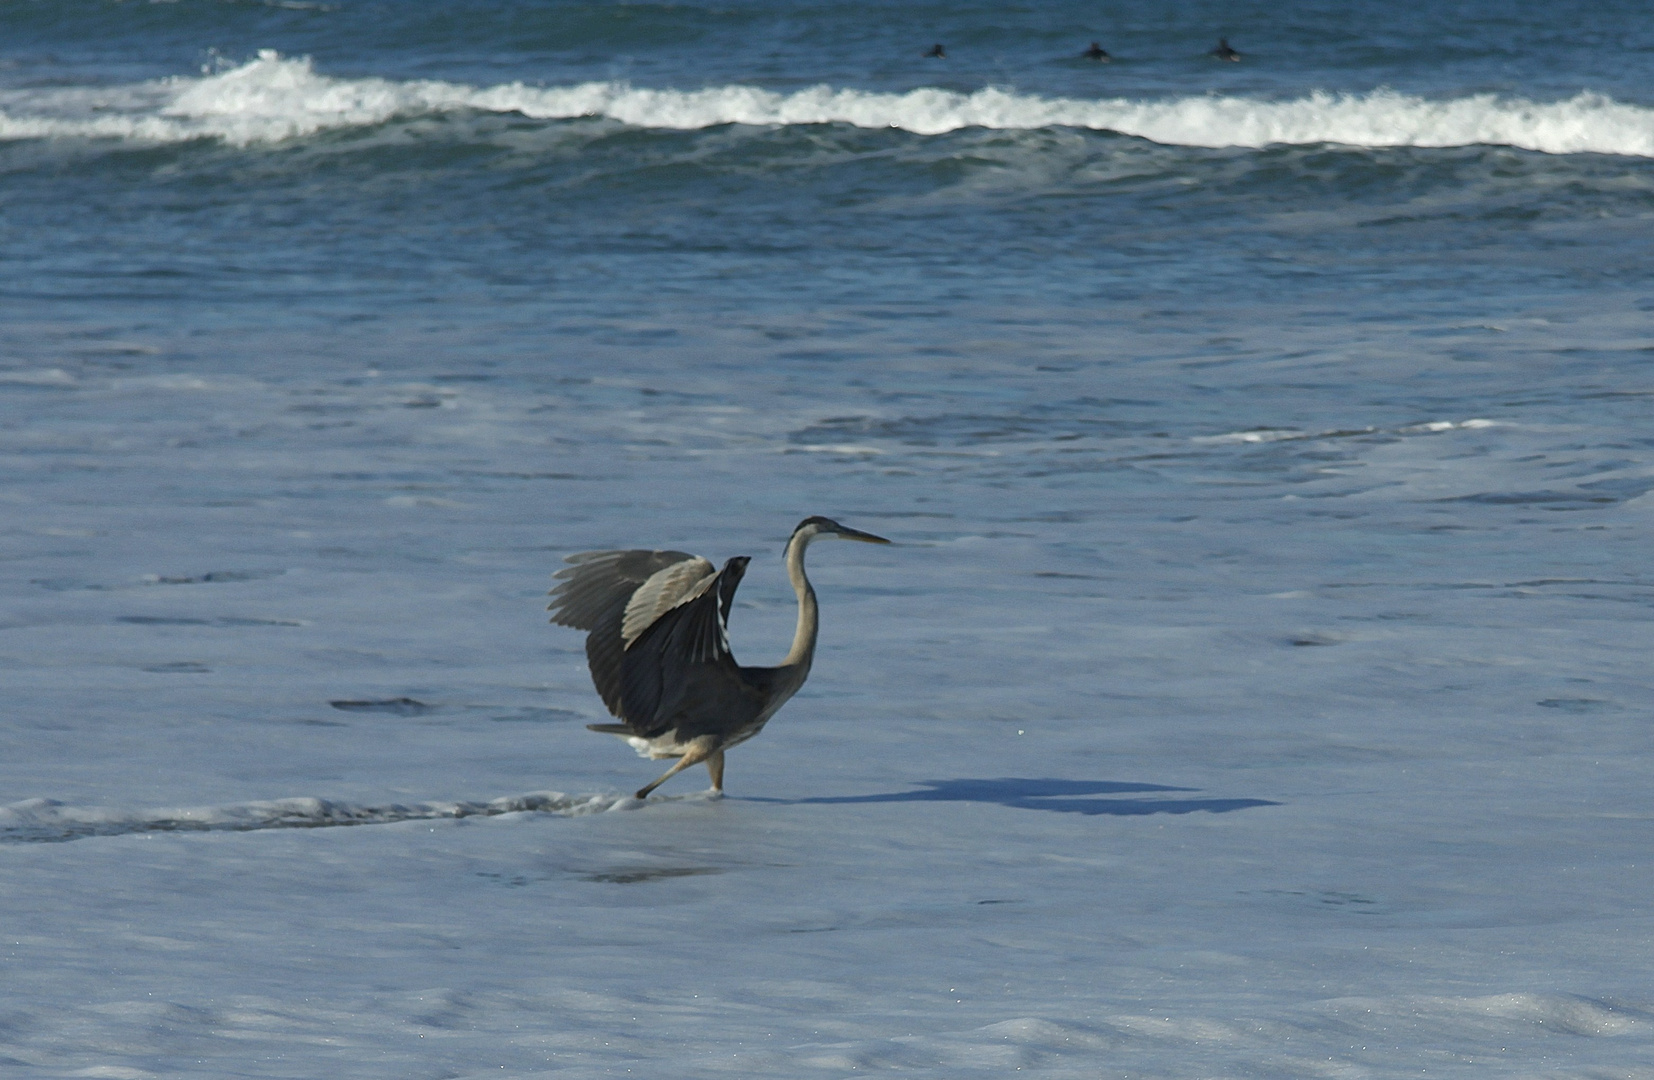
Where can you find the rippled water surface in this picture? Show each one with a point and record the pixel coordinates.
(1257, 685)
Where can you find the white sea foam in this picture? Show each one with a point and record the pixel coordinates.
(44, 377)
(48, 819)
(272, 98)
(1269, 435)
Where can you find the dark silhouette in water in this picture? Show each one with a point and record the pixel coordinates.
(1224, 52)
(1097, 53)
(937, 52)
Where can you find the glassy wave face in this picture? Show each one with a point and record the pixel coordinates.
(272, 98)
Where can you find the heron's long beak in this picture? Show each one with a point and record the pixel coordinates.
(845, 533)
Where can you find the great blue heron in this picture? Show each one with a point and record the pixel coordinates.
(659, 647)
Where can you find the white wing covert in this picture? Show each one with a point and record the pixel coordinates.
(666, 589)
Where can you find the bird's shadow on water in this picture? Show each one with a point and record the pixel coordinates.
(1060, 796)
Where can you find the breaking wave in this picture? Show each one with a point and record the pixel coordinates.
(272, 98)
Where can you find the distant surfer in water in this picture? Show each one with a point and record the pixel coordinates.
(1224, 52)
(1097, 53)
(937, 52)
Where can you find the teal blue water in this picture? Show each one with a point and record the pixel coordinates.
(510, 227)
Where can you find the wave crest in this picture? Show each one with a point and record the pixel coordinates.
(272, 98)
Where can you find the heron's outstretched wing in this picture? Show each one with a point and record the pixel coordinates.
(598, 592)
(678, 671)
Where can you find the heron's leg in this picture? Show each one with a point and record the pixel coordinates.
(698, 751)
(715, 766)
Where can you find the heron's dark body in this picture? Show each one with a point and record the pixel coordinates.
(704, 704)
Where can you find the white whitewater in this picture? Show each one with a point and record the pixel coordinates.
(273, 98)
(48, 820)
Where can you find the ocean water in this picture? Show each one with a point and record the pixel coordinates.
(1257, 685)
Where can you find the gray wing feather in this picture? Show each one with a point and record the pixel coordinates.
(596, 580)
(595, 590)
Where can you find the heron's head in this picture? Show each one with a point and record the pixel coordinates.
(821, 528)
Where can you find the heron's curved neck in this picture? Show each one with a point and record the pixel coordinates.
(804, 638)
